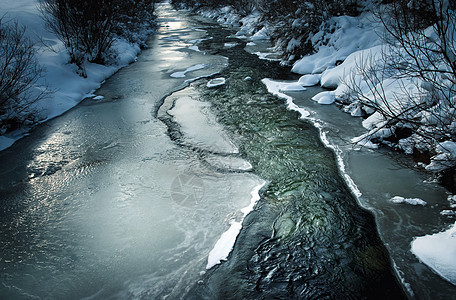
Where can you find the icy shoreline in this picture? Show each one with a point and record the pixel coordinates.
(225, 243)
(68, 88)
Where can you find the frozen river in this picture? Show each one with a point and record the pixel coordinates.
(141, 194)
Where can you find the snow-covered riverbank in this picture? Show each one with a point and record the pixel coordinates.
(67, 87)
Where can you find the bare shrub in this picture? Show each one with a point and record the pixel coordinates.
(19, 72)
(88, 28)
(420, 60)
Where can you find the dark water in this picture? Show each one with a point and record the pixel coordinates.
(92, 203)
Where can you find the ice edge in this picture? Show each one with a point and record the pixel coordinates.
(225, 243)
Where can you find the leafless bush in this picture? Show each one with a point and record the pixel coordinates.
(19, 72)
(84, 27)
(88, 28)
(420, 60)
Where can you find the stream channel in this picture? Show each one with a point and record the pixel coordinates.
(140, 195)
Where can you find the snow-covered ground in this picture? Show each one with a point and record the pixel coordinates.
(352, 42)
(68, 87)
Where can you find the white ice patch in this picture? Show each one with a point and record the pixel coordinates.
(192, 116)
(262, 34)
(225, 243)
(275, 88)
(216, 82)
(199, 77)
(194, 48)
(182, 74)
(438, 251)
(230, 45)
(265, 56)
(411, 201)
(292, 87)
(229, 162)
(98, 97)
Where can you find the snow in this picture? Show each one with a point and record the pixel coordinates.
(324, 97)
(262, 34)
(216, 82)
(276, 88)
(292, 87)
(446, 154)
(448, 213)
(194, 48)
(350, 35)
(225, 243)
(230, 45)
(438, 251)
(309, 80)
(182, 74)
(61, 77)
(411, 201)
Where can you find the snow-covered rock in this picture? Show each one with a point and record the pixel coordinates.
(326, 97)
(309, 79)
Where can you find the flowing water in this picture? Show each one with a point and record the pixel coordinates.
(128, 197)
(379, 177)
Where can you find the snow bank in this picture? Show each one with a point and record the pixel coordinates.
(225, 243)
(445, 157)
(343, 36)
(438, 251)
(60, 76)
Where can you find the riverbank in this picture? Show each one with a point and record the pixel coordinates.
(67, 88)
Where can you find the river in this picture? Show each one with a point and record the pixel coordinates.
(140, 194)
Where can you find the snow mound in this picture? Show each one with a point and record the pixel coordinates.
(350, 34)
(309, 79)
(324, 97)
(438, 251)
